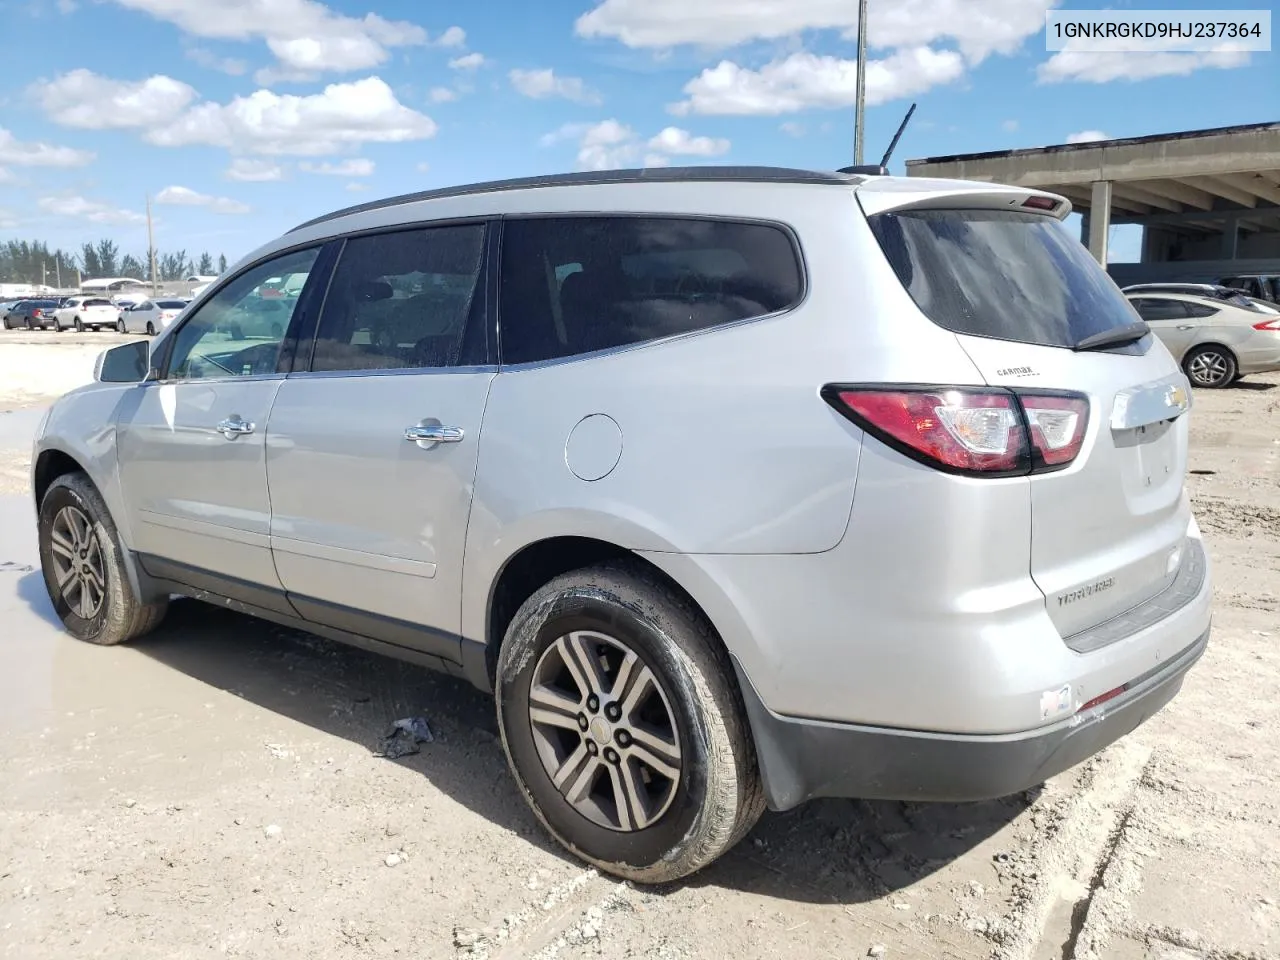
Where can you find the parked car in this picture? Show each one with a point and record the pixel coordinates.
(30, 314)
(1258, 285)
(1211, 291)
(150, 316)
(900, 511)
(6, 308)
(85, 313)
(1216, 341)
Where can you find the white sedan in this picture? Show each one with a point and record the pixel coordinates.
(85, 313)
(149, 316)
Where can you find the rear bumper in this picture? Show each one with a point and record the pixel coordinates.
(805, 759)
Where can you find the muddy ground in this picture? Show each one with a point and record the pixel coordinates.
(215, 790)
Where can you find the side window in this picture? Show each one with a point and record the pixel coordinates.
(1154, 310)
(573, 285)
(1199, 310)
(237, 333)
(403, 300)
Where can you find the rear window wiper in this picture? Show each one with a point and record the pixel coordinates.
(1115, 337)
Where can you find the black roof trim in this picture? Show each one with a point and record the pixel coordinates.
(1095, 144)
(710, 174)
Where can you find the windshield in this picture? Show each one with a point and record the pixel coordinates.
(1001, 274)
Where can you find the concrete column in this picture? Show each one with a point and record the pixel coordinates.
(1100, 220)
(1231, 239)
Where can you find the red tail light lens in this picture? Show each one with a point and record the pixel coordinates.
(979, 431)
(1273, 324)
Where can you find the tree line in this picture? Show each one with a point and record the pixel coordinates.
(23, 261)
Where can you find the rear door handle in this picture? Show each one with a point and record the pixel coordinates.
(433, 433)
(234, 427)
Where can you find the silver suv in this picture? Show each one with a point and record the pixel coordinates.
(736, 486)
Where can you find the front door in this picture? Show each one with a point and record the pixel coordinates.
(1170, 320)
(192, 448)
(372, 450)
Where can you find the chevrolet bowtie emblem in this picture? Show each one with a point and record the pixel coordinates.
(1177, 397)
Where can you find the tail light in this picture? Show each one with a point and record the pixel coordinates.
(1272, 324)
(979, 431)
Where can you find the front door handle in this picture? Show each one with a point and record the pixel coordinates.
(1186, 326)
(433, 433)
(234, 427)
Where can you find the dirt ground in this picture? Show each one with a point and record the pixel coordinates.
(215, 789)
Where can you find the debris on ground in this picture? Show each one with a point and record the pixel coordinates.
(403, 737)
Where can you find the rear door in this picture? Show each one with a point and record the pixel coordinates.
(1021, 293)
(372, 452)
(1170, 320)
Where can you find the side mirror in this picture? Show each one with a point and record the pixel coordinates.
(127, 363)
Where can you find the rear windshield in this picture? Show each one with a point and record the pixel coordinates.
(1001, 274)
(170, 304)
(97, 303)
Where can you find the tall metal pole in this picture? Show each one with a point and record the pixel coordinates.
(861, 93)
(151, 247)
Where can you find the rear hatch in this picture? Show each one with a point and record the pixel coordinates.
(1034, 311)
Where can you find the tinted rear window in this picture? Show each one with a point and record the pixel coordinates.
(574, 285)
(96, 303)
(1001, 274)
(170, 304)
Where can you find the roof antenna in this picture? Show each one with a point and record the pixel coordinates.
(882, 170)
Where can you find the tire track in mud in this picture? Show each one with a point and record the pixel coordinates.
(1056, 875)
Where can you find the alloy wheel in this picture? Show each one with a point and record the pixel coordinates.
(78, 564)
(1208, 368)
(605, 731)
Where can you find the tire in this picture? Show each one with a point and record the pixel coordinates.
(1211, 367)
(73, 513)
(151, 329)
(26, 324)
(691, 715)
(78, 325)
(120, 327)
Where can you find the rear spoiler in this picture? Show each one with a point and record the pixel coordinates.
(882, 196)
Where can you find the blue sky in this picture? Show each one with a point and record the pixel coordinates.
(241, 118)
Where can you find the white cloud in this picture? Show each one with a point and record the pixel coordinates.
(253, 171)
(1009, 126)
(423, 167)
(307, 37)
(1087, 136)
(35, 154)
(8, 220)
(211, 61)
(355, 167)
(442, 95)
(470, 61)
(806, 81)
(542, 84)
(676, 142)
(87, 100)
(1106, 66)
(7, 175)
(186, 197)
(342, 115)
(792, 129)
(355, 187)
(92, 210)
(610, 144)
(453, 37)
(978, 27)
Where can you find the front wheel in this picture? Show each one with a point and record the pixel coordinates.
(1211, 367)
(623, 725)
(151, 329)
(120, 327)
(83, 564)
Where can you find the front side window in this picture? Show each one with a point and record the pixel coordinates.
(574, 285)
(404, 300)
(234, 334)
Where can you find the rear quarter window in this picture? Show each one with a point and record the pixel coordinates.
(575, 285)
(1001, 274)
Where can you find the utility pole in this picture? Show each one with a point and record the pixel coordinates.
(151, 248)
(861, 92)
(58, 266)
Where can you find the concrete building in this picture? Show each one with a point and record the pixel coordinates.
(1208, 200)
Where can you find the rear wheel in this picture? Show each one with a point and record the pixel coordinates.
(83, 564)
(151, 329)
(623, 725)
(1211, 367)
(78, 324)
(120, 327)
